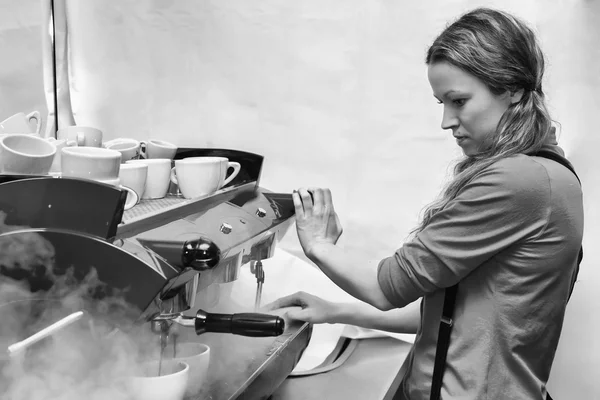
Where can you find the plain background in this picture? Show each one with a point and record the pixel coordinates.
(332, 92)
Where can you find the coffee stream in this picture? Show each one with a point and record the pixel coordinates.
(165, 334)
(164, 340)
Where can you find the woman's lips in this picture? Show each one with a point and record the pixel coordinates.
(460, 139)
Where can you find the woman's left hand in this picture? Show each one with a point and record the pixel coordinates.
(311, 309)
(316, 219)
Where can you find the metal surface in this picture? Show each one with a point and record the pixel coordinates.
(298, 337)
(151, 214)
(76, 204)
(249, 238)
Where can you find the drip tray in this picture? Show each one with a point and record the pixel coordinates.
(249, 368)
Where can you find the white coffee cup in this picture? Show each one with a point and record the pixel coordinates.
(197, 356)
(202, 176)
(129, 148)
(90, 163)
(82, 135)
(134, 176)
(155, 148)
(170, 385)
(26, 154)
(21, 123)
(157, 178)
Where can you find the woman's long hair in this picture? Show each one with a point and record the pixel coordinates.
(502, 52)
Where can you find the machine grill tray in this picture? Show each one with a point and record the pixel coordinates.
(150, 214)
(148, 208)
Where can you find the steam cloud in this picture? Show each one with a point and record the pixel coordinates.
(89, 359)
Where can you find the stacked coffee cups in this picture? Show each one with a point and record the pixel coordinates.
(194, 176)
(144, 168)
(81, 154)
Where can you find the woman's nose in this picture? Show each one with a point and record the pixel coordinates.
(449, 119)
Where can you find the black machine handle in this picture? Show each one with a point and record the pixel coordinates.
(244, 324)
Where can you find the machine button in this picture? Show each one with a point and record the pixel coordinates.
(225, 228)
(261, 213)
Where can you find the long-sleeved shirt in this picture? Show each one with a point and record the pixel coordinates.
(510, 239)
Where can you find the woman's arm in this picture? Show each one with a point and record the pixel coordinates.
(398, 320)
(316, 310)
(354, 276)
(318, 230)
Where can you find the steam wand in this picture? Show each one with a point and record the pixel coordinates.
(55, 327)
(258, 270)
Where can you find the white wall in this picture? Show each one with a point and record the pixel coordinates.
(333, 93)
(571, 35)
(21, 78)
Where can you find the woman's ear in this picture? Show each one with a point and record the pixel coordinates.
(516, 96)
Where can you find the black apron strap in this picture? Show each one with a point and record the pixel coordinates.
(443, 342)
(555, 157)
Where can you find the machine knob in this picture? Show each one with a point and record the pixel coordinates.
(261, 213)
(200, 254)
(225, 228)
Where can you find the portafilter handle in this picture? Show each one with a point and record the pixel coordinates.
(243, 324)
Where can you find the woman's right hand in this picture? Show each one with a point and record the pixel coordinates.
(313, 309)
(316, 220)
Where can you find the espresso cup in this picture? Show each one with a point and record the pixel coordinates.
(157, 178)
(197, 356)
(129, 148)
(157, 149)
(81, 135)
(134, 176)
(170, 385)
(22, 123)
(202, 176)
(90, 163)
(26, 154)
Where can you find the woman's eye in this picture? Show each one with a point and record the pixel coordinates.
(459, 102)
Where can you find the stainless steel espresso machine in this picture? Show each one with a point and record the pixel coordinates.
(160, 256)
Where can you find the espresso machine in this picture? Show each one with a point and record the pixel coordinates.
(162, 255)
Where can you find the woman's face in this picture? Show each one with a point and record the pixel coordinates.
(471, 110)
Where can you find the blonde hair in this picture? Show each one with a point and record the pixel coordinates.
(502, 52)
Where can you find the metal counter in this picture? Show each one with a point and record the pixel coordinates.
(373, 372)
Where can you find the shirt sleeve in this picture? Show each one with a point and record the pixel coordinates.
(506, 203)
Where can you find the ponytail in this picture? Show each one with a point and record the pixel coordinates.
(524, 127)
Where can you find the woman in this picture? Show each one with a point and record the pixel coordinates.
(507, 229)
